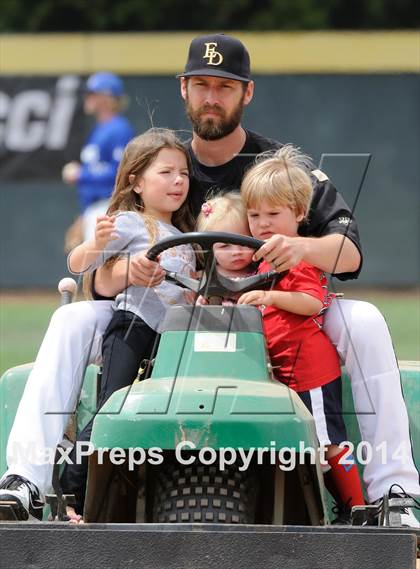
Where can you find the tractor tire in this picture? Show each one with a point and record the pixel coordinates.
(204, 494)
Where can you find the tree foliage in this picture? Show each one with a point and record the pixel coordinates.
(212, 15)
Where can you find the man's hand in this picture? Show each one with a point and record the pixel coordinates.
(332, 254)
(104, 231)
(281, 252)
(255, 297)
(71, 172)
(144, 272)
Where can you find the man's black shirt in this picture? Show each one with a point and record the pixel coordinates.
(208, 181)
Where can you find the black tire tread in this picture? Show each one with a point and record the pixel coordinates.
(204, 494)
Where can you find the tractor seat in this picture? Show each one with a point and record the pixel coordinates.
(217, 318)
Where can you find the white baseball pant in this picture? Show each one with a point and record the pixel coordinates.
(358, 330)
(73, 341)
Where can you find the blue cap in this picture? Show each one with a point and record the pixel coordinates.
(104, 82)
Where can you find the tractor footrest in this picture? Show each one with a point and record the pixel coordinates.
(365, 515)
(58, 505)
(391, 510)
(7, 511)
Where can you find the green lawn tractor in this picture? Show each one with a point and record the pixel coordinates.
(207, 450)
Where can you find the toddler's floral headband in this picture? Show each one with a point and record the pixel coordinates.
(206, 209)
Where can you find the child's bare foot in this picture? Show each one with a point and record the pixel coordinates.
(73, 517)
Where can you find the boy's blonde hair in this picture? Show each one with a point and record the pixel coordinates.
(281, 179)
(218, 209)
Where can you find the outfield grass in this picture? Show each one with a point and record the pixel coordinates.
(23, 322)
(24, 319)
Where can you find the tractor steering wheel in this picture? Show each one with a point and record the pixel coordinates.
(213, 284)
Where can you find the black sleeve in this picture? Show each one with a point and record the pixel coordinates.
(329, 214)
(96, 295)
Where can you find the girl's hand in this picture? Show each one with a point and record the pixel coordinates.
(255, 297)
(189, 296)
(104, 231)
(144, 272)
(201, 301)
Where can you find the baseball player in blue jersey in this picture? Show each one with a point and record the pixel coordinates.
(94, 175)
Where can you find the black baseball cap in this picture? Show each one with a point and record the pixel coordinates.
(218, 55)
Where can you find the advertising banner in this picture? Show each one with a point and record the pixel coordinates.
(42, 126)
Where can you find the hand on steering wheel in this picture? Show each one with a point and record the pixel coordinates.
(212, 283)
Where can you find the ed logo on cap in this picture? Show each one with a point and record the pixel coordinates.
(211, 53)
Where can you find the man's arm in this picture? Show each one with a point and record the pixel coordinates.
(333, 254)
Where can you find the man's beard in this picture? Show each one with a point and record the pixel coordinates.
(209, 128)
